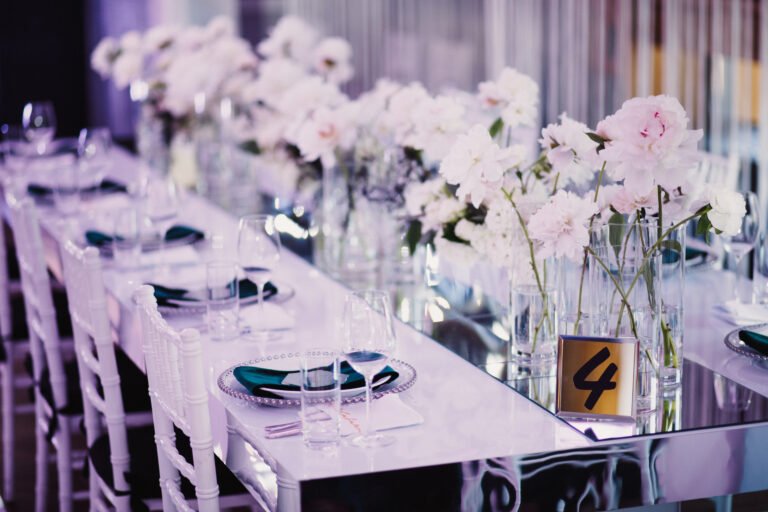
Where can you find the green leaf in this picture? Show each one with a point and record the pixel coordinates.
(449, 233)
(496, 127)
(413, 235)
(598, 139)
(616, 225)
(251, 146)
(703, 225)
(413, 154)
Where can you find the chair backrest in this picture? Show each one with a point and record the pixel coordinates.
(5, 289)
(179, 397)
(45, 346)
(95, 353)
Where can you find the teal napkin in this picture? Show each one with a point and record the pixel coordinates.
(256, 379)
(166, 296)
(755, 341)
(106, 186)
(100, 239)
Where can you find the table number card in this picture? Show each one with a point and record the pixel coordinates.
(596, 377)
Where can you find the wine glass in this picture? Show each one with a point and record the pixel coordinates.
(162, 206)
(93, 145)
(258, 250)
(39, 122)
(741, 243)
(369, 341)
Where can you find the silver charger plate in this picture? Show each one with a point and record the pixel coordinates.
(291, 361)
(189, 307)
(733, 342)
(151, 244)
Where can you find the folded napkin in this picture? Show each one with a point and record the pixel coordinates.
(256, 380)
(740, 314)
(165, 295)
(387, 413)
(107, 186)
(755, 340)
(100, 239)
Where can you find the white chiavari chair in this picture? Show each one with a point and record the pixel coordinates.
(55, 412)
(101, 372)
(182, 420)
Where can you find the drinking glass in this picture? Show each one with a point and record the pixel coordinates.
(126, 237)
(320, 399)
(258, 249)
(66, 189)
(93, 146)
(223, 299)
(369, 341)
(162, 205)
(741, 243)
(39, 122)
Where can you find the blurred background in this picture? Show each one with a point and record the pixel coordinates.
(588, 56)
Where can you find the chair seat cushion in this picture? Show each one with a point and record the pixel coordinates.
(133, 384)
(144, 474)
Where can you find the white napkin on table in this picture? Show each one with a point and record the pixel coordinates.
(387, 412)
(275, 317)
(740, 314)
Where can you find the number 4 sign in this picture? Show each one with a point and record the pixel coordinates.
(596, 377)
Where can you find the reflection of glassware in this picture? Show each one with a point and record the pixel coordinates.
(730, 396)
(740, 244)
(39, 123)
(258, 249)
(93, 146)
(162, 207)
(223, 300)
(320, 399)
(66, 189)
(369, 341)
(126, 237)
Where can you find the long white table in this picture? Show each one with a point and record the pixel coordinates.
(471, 419)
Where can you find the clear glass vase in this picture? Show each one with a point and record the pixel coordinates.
(673, 256)
(154, 135)
(533, 312)
(625, 263)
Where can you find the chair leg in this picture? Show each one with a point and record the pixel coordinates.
(64, 465)
(41, 468)
(9, 405)
(94, 493)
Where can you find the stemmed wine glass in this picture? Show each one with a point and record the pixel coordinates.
(258, 250)
(93, 145)
(39, 122)
(369, 341)
(741, 243)
(162, 207)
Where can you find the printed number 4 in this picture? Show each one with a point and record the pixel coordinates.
(597, 387)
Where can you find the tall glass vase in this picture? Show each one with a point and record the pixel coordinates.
(154, 135)
(533, 312)
(625, 262)
(673, 256)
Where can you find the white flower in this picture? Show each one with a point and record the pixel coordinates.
(219, 27)
(398, 119)
(373, 103)
(436, 124)
(649, 143)
(728, 210)
(515, 95)
(627, 201)
(104, 55)
(463, 256)
(332, 59)
(561, 227)
(276, 76)
(307, 94)
(570, 151)
(128, 67)
(477, 165)
(191, 38)
(432, 204)
(131, 41)
(291, 38)
(160, 37)
(323, 133)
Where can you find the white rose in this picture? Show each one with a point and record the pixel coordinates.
(728, 209)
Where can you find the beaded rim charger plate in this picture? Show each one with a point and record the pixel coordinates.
(733, 342)
(229, 384)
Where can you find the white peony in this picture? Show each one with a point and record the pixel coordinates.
(477, 165)
(128, 67)
(307, 94)
(570, 151)
(276, 76)
(649, 144)
(219, 27)
(431, 202)
(332, 59)
(436, 124)
(561, 227)
(463, 256)
(728, 210)
(627, 202)
(398, 119)
(291, 38)
(514, 95)
(104, 55)
(325, 132)
(160, 37)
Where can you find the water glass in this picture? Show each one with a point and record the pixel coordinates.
(320, 399)
(126, 237)
(66, 189)
(223, 300)
(39, 123)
